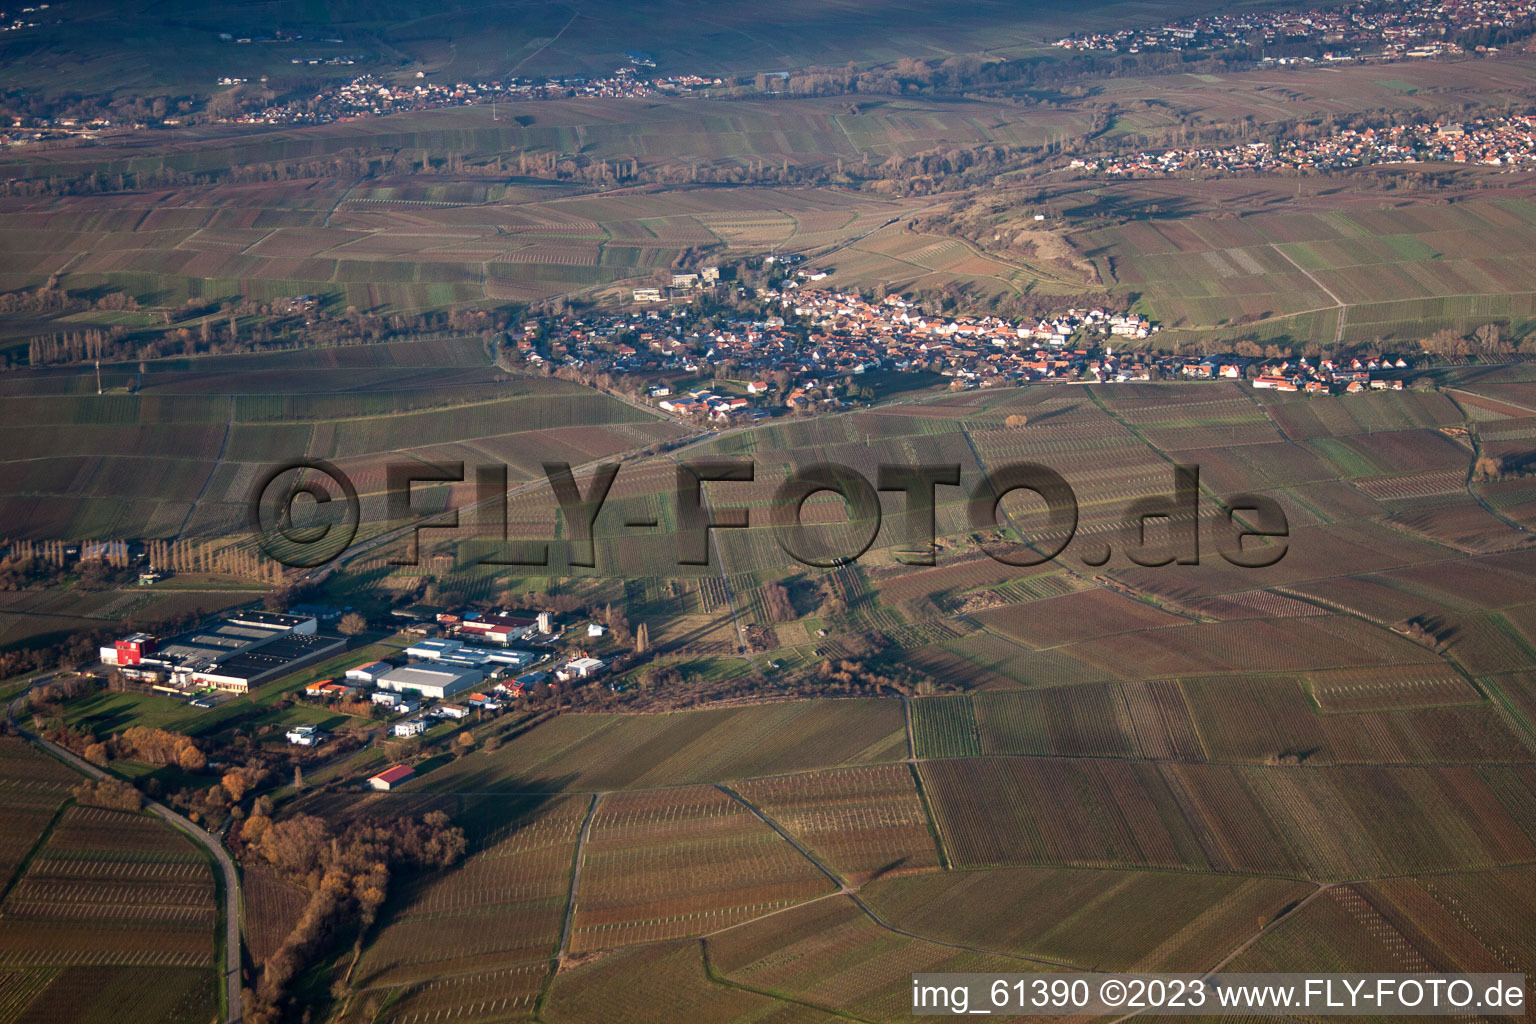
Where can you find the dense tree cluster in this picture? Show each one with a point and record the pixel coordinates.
(777, 601)
(1487, 340)
(114, 794)
(347, 875)
(1488, 468)
(158, 747)
(75, 650)
(236, 326)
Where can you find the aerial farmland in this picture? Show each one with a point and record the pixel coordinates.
(705, 513)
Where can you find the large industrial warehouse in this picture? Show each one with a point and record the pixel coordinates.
(248, 668)
(240, 652)
(436, 681)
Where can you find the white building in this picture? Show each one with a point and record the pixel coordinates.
(581, 668)
(434, 649)
(435, 681)
(275, 621)
(368, 673)
(413, 727)
(305, 736)
(457, 652)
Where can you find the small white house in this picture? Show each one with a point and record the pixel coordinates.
(594, 629)
(411, 727)
(581, 668)
(451, 711)
(305, 736)
(386, 698)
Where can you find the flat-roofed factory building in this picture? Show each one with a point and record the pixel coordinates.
(235, 652)
(436, 681)
(243, 670)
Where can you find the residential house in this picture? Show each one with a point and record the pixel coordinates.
(305, 736)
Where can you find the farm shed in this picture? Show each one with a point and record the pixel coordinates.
(391, 777)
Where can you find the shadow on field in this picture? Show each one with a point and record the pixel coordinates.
(1134, 207)
(886, 869)
(1050, 414)
(487, 819)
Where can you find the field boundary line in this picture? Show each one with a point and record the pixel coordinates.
(1338, 334)
(1474, 394)
(1284, 916)
(247, 250)
(1492, 693)
(1250, 323)
(332, 212)
(42, 840)
(1270, 416)
(500, 965)
(570, 904)
(837, 119)
(1067, 964)
(945, 864)
(1161, 603)
(724, 982)
(725, 577)
(552, 39)
(842, 885)
(906, 714)
(994, 756)
(218, 460)
(852, 893)
(1273, 924)
(1477, 452)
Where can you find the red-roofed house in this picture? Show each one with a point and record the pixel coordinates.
(391, 777)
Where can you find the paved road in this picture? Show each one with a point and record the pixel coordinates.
(207, 841)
